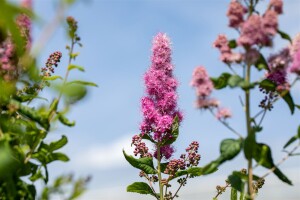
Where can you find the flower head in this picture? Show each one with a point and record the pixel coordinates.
(236, 13)
(295, 66)
(159, 106)
(223, 113)
(227, 55)
(295, 46)
(252, 32)
(270, 23)
(276, 5)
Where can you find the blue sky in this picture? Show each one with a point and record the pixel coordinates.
(117, 35)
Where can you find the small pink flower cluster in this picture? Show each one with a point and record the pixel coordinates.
(24, 23)
(223, 113)
(7, 61)
(140, 147)
(174, 165)
(204, 87)
(254, 30)
(295, 55)
(159, 107)
(236, 13)
(227, 55)
(191, 159)
(53, 60)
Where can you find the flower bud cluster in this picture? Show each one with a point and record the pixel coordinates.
(140, 147)
(53, 60)
(193, 157)
(174, 165)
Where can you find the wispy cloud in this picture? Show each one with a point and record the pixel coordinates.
(104, 156)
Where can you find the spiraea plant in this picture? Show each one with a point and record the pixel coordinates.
(160, 126)
(25, 118)
(242, 55)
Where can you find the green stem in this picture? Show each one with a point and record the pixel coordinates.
(248, 124)
(161, 192)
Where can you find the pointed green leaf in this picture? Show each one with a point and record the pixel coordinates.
(58, 144)
(232, 44)
(289, 100)
(234, 81)
(65, 120)
(284, 35)
(221, 81)
(249, 145)
(141, 188)
(80, 68)
(290, 141)
(144, 164)
(268, 85)
(52, 78)
(59, 156)
(174, 132)
(236, 182)
(230, 148)
(261, 63)
(86, 83)
(263, 156)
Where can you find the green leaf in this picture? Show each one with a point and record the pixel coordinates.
(65, 120)
(147, 137)
(249, 145)
(230, 148)
(141, 188)
(232, 44)
(80, 68)
(236, 182)
(289, 100)
(174, 132)
(267, 85)
(58, 144)
(235, 81)
(59, 156)
(36, 176)
(263, 157)
(86, 83)
(210, 168)
(297, 106)
(233, 194)
(261, 63)
(53, 106)
(221, 81)
(195, 171)
(52, 78)
(144, 164)
(32, 114)
(290, 141)
(284, 35)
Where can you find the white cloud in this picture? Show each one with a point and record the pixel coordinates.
(105, 156)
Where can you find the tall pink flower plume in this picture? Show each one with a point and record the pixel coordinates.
(159, 106)
(236, 13)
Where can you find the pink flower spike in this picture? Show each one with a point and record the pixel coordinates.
(159, 107)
